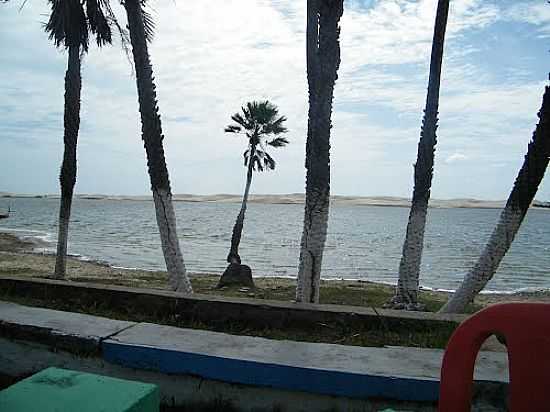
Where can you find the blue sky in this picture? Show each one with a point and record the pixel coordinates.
(211, 57)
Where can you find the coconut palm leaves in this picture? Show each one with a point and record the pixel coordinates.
(406, 296)
(524, 190)
(141, 28)
(69, 26)
(261, 124)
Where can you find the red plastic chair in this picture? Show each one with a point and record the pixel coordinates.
(526, 329)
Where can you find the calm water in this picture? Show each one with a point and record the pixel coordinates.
(363, 242)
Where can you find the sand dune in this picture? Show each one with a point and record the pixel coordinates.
(296, 198)
(292, 198)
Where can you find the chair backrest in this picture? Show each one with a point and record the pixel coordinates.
(526, 329)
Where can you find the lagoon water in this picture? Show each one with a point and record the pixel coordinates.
(364, 242)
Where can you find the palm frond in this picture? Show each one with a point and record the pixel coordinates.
(260, 117)
(242, 123)
(237, 118)
(269, 161)
(256, 160)
(278, 142)
(98, 22)
(247, 116)
(232, 129)
(257, 164)
(67, 25)
(122, 32)
(249, 111)
(259, 154)
(263, 112)
(275, 127)
(148, 23)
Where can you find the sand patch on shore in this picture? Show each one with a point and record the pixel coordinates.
(18, 259)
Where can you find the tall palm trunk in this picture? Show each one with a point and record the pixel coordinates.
(524, 190)
(409, 267)
(152, 136)
(67, 176)
(233, 256)
(323, 60)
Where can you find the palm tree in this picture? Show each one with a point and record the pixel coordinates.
(141, 28)
(323, 60)
(259, 122)
(406, 295)
(69, 27)
(522, 194)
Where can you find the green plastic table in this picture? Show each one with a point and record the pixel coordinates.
(62, 390)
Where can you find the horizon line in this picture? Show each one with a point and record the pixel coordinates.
(4, 194)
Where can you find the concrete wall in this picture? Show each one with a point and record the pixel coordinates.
(192, 366)
(205, 308)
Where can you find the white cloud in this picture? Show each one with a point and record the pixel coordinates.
(535, 13)
(455, 157)
(211, 57)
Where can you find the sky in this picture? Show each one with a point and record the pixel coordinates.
(209, 58)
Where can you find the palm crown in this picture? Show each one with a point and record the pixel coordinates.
(71, 21)
(261, 124)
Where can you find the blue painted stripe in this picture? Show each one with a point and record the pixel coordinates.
(327, 382)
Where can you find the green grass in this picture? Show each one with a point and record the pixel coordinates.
(348, 293)
(372, 334)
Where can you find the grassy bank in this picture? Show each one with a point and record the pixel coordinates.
(15, 260)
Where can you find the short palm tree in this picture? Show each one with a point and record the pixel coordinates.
(522, 194)
(261, 124)
(69, 26)
(140, 25)
(323, 61)
(406, 295)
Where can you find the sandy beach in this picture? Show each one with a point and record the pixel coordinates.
(18, 258)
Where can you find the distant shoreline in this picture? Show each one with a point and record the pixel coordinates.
(293, 198)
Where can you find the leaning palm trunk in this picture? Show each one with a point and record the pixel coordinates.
(152, 137)
(323, 60)
(409, 267)
(233, 256)
(524, 190)
(67, 177)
